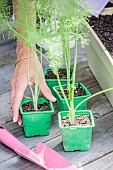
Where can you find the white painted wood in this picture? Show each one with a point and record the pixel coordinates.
(108, 11)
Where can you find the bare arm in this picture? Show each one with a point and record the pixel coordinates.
(19, 80)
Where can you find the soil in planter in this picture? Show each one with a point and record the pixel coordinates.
(77, 92)
(28, 107)
(62, 74)
(103, 26)
(109, 4)
(79, 121)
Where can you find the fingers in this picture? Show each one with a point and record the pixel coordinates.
(43, 86)
(17, 98)
(46, 92)
(20, 119)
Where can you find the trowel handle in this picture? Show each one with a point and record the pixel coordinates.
(12, 142)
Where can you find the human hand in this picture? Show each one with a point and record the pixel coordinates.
(19, 82)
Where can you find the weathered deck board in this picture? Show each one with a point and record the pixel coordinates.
(101, 145)
(104, 163)
(7, 60)
(32, 141)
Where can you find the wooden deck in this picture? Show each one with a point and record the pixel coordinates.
(100, 156)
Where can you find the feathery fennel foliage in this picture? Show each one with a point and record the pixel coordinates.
(67, 20)
(5, 17)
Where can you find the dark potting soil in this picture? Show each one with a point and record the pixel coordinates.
(109, 4)
(79, 121)
(77, 92)
(103, 26)
(28, 107)
(62, 74)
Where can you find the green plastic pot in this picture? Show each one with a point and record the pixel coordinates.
(62, 106)
(76, 137)
(36, 123)
(54, 82)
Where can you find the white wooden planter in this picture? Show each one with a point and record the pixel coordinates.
(100, 61)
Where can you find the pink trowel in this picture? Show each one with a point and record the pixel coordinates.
(43, 156)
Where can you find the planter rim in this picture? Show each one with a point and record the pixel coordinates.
(100, 43)
(45, 71)
(88, 93)
(36, 112)
(77, 111)
(104, 12)
(96, 54)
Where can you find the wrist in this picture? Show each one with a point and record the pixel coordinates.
(24, 59)
(20, 59)
(23, 51)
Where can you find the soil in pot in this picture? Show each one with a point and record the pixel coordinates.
(28, 107)
(77, 136)
(79, 121)
(103, 26)
(62, 74)
(77, 92)
(36, 122)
